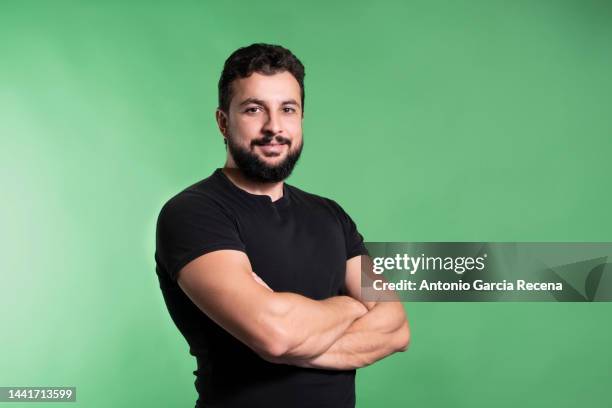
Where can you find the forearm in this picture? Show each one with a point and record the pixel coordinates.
(381, 332)
(358, 349)
(310, 327)
(271, 324)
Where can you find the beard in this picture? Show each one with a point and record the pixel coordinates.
(255, 169)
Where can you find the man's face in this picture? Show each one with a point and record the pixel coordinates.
(264, 125)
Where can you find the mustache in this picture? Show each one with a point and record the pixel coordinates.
(268, 139)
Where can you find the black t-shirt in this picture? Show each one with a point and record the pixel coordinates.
(299, 243)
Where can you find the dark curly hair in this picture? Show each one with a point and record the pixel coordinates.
(265, 59)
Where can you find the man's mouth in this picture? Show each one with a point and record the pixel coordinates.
(272, 149)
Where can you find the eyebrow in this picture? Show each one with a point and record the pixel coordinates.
(263, 103)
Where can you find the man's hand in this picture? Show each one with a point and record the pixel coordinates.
(380, 332)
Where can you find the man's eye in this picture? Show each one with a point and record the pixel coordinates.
(253, 109)
(288, 110)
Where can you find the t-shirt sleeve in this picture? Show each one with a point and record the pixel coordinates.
(352, 238)
(191, 225)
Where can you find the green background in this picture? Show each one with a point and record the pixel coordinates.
(425, 120)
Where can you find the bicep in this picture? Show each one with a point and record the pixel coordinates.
(220, 284)
(353, 279)
(386, 311)
(360, 279)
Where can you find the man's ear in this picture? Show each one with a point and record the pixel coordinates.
(222, 122)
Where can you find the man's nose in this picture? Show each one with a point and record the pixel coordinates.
(273, 125)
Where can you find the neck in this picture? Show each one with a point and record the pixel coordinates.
(273, 190)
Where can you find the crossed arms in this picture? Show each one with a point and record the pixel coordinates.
(341, 332)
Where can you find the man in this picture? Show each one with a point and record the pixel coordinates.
(261, 278)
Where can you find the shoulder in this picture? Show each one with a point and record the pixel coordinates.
(201, 198)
